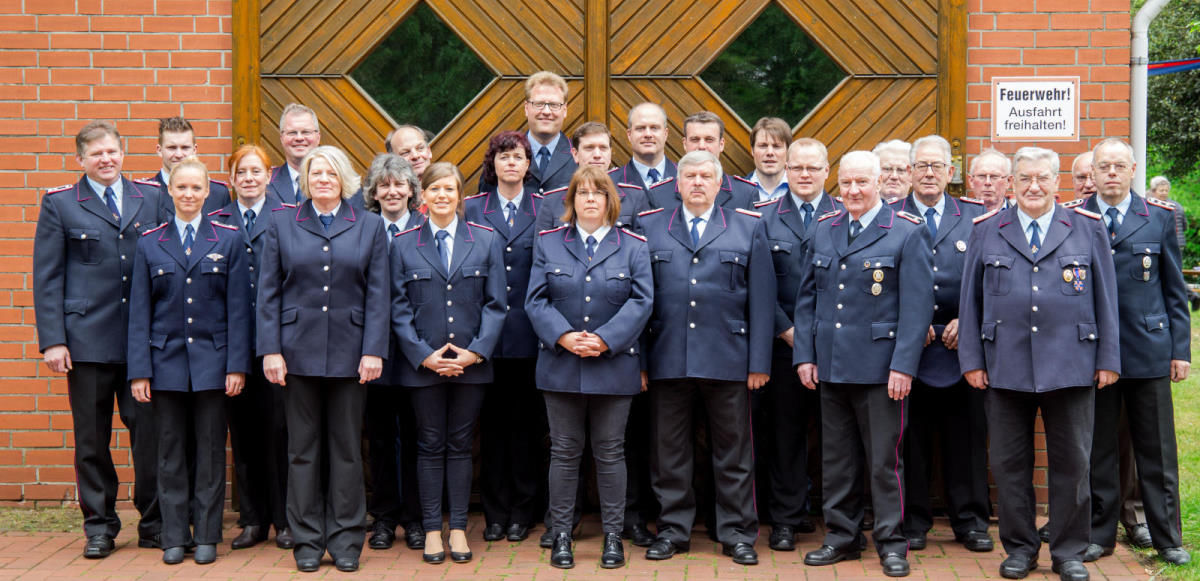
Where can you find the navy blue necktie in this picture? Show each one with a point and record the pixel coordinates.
(392, 232)
(326, 220)
(1035, 239)
(110, 199)
(249, 216)
(443, 249)
(591, 246)
(855, 228)
(188, 239)
(543, 157)
(653, 176)
(931, 222)
(1114, 217)
(808, 213)
(296, 190)
(510, 209)
(696, 231)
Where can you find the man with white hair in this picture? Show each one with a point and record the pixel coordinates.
(865, 294)
(895, 168)
(990, 178)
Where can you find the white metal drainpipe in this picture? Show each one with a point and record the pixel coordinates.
(1139, 59)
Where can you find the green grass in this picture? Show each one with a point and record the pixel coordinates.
(1186, 397)
(40, 520)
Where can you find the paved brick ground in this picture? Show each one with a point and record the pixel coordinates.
(58, 556)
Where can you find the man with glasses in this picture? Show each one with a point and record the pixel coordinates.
(894, 163)
(546, 109)
(990, 179)
(647, 133)
(1038, 330)
(1155, 351)
(299, 133)
(1081, 176)
(783, 407)
(943, 407)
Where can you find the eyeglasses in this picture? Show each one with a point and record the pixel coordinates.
(1117, 167)
(924, 166)
(305, 133)
(1043, 180)
(590, 194)
(548, 105)
(801, 169)
(988, 177)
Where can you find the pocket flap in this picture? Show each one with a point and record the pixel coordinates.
(660, 256)
(1074, 260)
(781, 246)
(987, 331)
(558, 269)
(737, 327)
(288, 316)
(474, 271)
(1145, 247)
(998, 260)
(83, 234)
(158, 341)
(212, 267)
(162, 269)
(77, 306)
(419, 274)
(733, 257)
(357, 317)
(617, 274)
(886, 330)
(821, 260)
(879, 262)
(1157, 322)
(1087, 332)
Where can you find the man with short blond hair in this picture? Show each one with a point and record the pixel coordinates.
(545, 111)
(299, 133)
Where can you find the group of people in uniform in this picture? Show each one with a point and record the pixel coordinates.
(304, 306)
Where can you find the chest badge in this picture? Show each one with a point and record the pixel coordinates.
(215, 257)
(866, 264)
(877, 275)
(1145, 262)
(1079, 275)
(876, 289)
(960, 246)
(1068, 276)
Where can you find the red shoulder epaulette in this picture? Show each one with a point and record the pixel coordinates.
(60, 189)
(226, 184)
(225, 226)
(661, 182)
(488, 228)
(156, 229)
(828, 215)
(638, 236)
(1087, 213)
(971, 200)
(839, 199)
(745, 180)
(413, 229)
(554, 191)
(749, 212)
(1074, 203)
(476, 196)
(1159, 203)
(147, 182)
(648, 212)
(767, 202)
(537, 195)
(215, 212)
(625, 185)
(911, 217)
(985, 216)
(545, 232)
(284, 206)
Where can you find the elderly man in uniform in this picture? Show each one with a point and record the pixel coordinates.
(864, 307)
(1039, 279)
(83, 259)
(299, 133)
(1082, 178)
(783, 406)
(1155, 351)
(709, 336)
(943, 406)
(894, 158)
(990, 178)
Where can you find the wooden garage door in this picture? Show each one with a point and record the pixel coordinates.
(905, 64)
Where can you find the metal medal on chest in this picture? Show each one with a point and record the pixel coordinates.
(1079, 276)
(1146, 262)
(876, 289)
(961, 246)
(877, 275)
(1067, 275)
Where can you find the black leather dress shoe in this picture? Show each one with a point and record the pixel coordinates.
(150, 542)
(868, 521)
(1071, 571)
(976, 541)
(414, 537)
(382, 536)
(638, 534)
(742, 553)
(1044, 533)
(894, 565)
(561, 555)
(1094, 552)
(916, 541)
(346, 564)
(1017, 566)
(493, 532)
(614, 552)
(783, 538)
(173, 555)
(98, 547)
(663, 549)
(1139, 536)
(546, 541)
(307, 564)
(251, 535)
(806, 526)
(284, 540)
(205, 554)
(1175, 555)
(516, 533)
(827, 555)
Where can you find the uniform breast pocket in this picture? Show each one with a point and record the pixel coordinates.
(821, 272)
(1076, 274)
(619, 286)
(997, 274)
(85, 244)
(417, 285)
(659, 260)
(160, 279)
(781, 254)
(1146, 256)
(559, 279)
(879, 275)
(474, 277)
(736, 263)
(217, 275)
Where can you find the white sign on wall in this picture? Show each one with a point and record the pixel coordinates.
(1035, 109)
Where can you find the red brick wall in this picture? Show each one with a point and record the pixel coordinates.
(1084, 38)
(62, 64)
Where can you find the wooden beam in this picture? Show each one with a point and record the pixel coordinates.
(595, 60)
(952, 83)
(247, 92)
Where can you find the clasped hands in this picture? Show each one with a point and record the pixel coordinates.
(439, 363)
(583, 344)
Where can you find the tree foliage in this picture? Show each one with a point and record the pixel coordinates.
(1173, 136)
(422, 73)
(773, 69)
